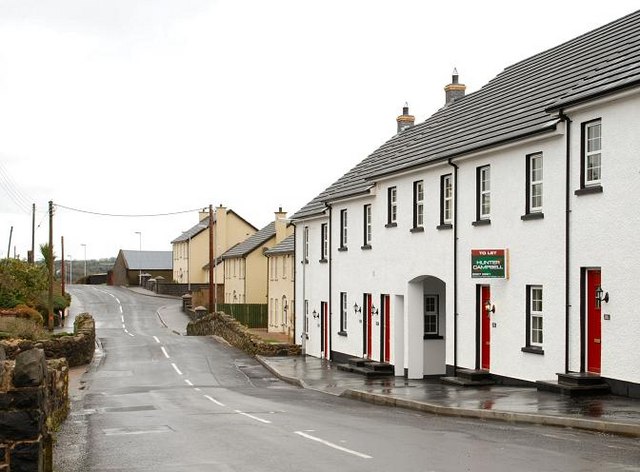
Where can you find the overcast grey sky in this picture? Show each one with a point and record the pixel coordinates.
(156, 106)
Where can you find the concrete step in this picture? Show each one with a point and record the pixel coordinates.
(579, 378)
(465, 382)
(572, 390)
(367, 368)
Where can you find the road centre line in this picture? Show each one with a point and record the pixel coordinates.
(213, 400)
(334, 446)
(175, 367)
(164, 351)
(122, 319)
(121, 309)
(132, 335)
(188, 382)
(252, 417)
(157, 340)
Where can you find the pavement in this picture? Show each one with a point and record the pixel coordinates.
(604, 413)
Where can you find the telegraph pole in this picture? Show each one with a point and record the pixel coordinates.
(62, 273)
(32, 259)
(9, 246)
(211, 260)
(50, 321)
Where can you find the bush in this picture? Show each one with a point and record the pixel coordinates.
(22, 328)
(24, 312)
(21, 283)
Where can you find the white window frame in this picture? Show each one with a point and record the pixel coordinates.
(324, 244)
(592, 153)
(368, 227)
(392, 205)
(535, 184)
(343, 311)
(484, 192)
(433, 315)
(536, 316)
(343, 228)
(418, 204)
(305, 244)
(447, 199)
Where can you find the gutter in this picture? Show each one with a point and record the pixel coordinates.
(567, 240)
(329, 318)
(455, 265)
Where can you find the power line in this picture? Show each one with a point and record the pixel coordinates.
(21, 200)
(57, 205)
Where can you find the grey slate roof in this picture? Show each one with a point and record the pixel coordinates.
(252, 242)
(520, 101)
(148, 260)
(283, 247)
(202, 226)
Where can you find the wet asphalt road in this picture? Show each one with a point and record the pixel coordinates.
(156, 401)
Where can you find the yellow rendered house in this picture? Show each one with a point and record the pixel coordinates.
(191, 248)
(245, 265)
(281, 287)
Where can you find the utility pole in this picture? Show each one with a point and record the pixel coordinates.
(9, 246)
(62, 271)
(32, 259)
(211, 260)
(50, 321)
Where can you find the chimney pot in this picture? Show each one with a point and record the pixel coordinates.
(455, 90)
(405, 120)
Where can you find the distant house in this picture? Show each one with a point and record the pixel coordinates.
(191, 248)
(130, 266)
(245, 265)
(281, 286)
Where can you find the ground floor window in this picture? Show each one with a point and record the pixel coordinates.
(431, 316)
(535, 318)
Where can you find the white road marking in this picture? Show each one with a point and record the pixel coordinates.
(188, 382)
(120, 308)
(132, 335)
(213, 400)
(196, 389)
(164, 351)
(334, 446)
(175, 367)
(157, 340)
(252, 417)
(124, 326)
(122, 319)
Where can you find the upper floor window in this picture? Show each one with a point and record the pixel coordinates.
(367, 226)
(343, 229)
(392, 206)
(284, 266)
(592, 153)
(324, 242)
(446, 200)
(483, 194)
(534, 175)
(305, 245)
(418, 205)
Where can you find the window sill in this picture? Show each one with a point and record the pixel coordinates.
(445, 226)
(323, 261)
(343, 248)
(391, 225)
(533, 350)
(589, 190)
(532, 216)
(432, 336)
(342, 333)
(417, 229)
(366, 246)
(481, 222)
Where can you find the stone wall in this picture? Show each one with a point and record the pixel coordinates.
(33, 402)
(237, 335)
(77, 349)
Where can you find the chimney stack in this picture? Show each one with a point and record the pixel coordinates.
(454, 91)
(405, 120)
(281, 225)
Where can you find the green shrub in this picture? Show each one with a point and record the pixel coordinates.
(22, 328)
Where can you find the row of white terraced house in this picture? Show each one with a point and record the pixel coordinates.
(501, 234)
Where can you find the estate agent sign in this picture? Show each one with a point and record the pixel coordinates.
(489, 264)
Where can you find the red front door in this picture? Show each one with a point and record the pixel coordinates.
(594, 328)
(325, 329)
(485, 327)
(367, 326)
(386, 306)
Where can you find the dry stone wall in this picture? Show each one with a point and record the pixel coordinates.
(237, 335)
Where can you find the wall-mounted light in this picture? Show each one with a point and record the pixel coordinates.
(601, 296)
(374, 310)
(489, 307)
(315, 314)
(285, 307)
(356, 308)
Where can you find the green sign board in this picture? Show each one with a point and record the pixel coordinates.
(489, 264)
